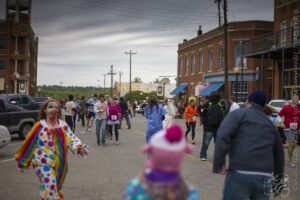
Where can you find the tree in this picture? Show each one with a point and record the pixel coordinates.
(137, 80)
(136, 96)
(156, 80)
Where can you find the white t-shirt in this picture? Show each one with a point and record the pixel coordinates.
(234, 106)
(69, 108)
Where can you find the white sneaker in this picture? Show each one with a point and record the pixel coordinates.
(117, 142)
(203, 159)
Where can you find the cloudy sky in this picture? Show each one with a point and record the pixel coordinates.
(80, 39)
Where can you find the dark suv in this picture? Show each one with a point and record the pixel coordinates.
(21, 100)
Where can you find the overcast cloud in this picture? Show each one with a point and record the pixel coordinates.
(80, 39)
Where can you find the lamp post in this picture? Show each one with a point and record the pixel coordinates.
(237, 71)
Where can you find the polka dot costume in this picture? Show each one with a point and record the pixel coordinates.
(47, 150)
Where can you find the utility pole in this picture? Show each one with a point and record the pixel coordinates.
(104, 76)
(225, 25)
(225, 48)
(130, 53)
(120, 83)
(111, 73)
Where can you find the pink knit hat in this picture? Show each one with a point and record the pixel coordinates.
(166, 150)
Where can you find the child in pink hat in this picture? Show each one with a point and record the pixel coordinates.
(162, 178)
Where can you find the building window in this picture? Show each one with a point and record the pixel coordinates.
(200, 56)
(180, 66)
(221, 57)
(2, 64)
(2, 43)
(239, 91)
(186, 65)
(239, 61)
(283, 34)
(210, 59)
(193, 64)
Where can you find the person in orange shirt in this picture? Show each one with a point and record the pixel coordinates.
(190, 119)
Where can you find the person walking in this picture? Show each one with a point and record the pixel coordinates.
(114, 116)
(161, 177)
(233, 104)
(82, 110)
(91, 114)
(100, 110)
(170, 113)
(129, 104)
(212, 116)
(190, 120)
(154, 114)
(134, 106)
(255, 152)
(291, 122)
(70, 111)
(124, 112)
(45, 149)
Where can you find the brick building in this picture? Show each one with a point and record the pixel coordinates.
(282, 47)
(18, 49)
(201, 62)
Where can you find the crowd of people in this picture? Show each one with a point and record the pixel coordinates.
(250, 136)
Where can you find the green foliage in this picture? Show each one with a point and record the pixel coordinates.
(136, 95)
(59, 92)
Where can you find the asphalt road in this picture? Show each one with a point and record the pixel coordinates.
(105, 173)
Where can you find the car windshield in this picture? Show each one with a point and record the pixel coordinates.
(278, 104)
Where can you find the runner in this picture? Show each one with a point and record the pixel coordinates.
(114, 116)
(101, 117)
(154, 114)
(46, 146)
(190, 120)
(91, 114)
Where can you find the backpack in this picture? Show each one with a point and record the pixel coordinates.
(215, 114)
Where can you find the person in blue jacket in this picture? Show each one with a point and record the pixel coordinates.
(155, 114)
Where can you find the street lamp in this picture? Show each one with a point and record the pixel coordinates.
(237, 71)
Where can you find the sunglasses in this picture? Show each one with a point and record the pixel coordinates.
(52, 107)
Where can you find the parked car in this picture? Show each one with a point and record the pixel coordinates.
(40, 99)
(21, 100)
(17, 119)
(5, 136)
(278, 104)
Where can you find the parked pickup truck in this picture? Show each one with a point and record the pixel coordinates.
(21, 100)
(17, 119)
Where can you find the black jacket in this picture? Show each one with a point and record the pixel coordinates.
(251, 140)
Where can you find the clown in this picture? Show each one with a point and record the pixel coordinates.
(161, 178)
(46, 147)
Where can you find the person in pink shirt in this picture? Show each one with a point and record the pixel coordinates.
(291, 115)
(113, 120)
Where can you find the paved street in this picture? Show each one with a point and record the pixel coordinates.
(106, 171)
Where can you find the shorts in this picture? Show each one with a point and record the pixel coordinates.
(291, 135)
(90, 114)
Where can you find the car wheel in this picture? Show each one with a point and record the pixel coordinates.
(25, 128)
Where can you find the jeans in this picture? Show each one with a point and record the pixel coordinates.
(100, 125)
(207, 136)
(240, 186)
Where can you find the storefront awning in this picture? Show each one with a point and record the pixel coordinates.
(177, 90)
(211, 88)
